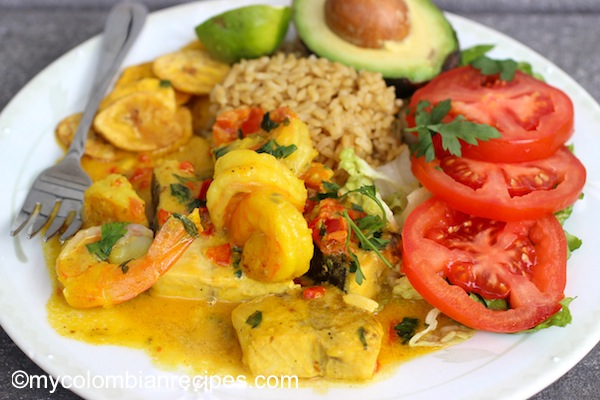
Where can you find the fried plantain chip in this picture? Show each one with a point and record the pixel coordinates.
(142, 72)
(135, 73)
(140, 121)
(96, 146)
(148, 85)
(190, 70)
(183, 117)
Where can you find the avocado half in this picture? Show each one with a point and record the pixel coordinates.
(430, 47)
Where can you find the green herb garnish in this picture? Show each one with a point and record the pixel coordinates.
(220, 151)
(276, 150)
(406, 329)
(365, 242)
(236, 256)
(371, 192)
(111, 233)
(188, 225)
(429, 124)
(354, 268)
(476, 56)
(472, 53)
(489, 66)
(330, 193)
(254, 319)
(361, 336)
(180, 192)
(267, 124)
(359, 276)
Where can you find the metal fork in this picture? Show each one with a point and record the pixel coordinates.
(56, 196)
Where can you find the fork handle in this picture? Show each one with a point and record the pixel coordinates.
(122, 27)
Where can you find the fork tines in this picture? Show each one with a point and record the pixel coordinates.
(56, 197)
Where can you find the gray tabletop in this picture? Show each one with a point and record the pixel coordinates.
(33, 33)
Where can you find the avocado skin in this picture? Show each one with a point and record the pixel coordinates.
(405, 88)
(406, 77)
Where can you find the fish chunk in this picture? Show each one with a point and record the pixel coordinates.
(288, 334)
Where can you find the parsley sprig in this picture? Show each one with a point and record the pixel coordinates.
(188, 225)
(406, 329)
(369, 191)
(366, 242)
(368, 229)
(429, 124)
(110, 234)
(477, 57)
(276, 150)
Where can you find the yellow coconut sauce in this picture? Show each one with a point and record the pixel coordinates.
(186, 334)
(192, 335)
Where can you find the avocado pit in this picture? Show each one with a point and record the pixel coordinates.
(368, 23)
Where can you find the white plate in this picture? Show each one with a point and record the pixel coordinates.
(487, 366)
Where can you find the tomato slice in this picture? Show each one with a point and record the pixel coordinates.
(447, 255)
(504, 191)
(534, 118)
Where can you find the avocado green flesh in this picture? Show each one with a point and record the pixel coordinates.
(418, 57)
(245, 32)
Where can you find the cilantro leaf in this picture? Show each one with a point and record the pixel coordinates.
(467, 131)
(221, 151)
(361, 336)
(267, 124)
(180, 192)
(471, 53)
(372, 227)
(111, 233)
(476, 56)
(370, 192)
(489, 66)
(451, 133)
(406, 328)
(439, 111)
(276, 150)
(188, 225)
(254, 319)
(364, 240)
(359, 276)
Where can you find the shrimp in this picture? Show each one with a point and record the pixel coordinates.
(259, 202)
(277, 241)
(243, 171)
(135, 263)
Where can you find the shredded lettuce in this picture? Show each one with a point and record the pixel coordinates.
(361, 174)
(573, 242)
(432, 336)
(561, 319)
(394, 182)
(403, 288)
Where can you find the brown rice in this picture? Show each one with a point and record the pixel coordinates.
(341, 106)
